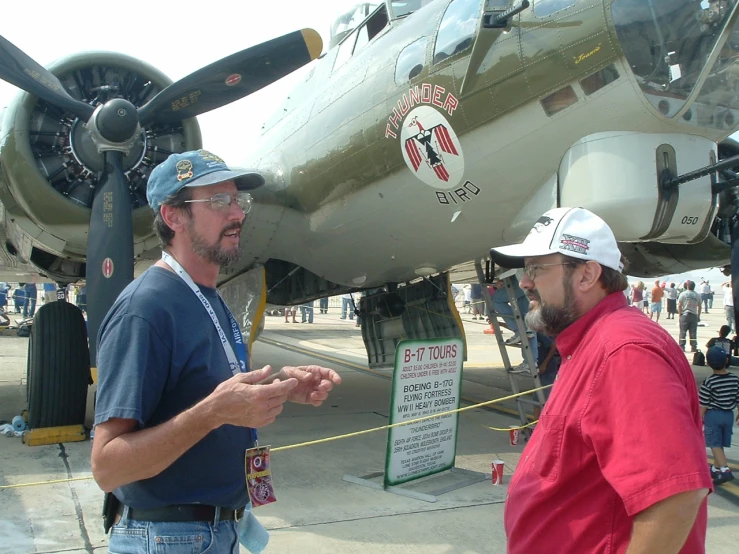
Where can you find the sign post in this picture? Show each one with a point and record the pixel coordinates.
(427, 380)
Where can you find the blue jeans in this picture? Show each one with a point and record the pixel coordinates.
(307, 309)
(323, 304)
(501, 306)
(717, 428)
(146, 537)
(347, 305)
(28, 311)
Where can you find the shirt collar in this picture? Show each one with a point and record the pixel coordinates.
(569, 339)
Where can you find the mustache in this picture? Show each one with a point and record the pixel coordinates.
(232, 227)
(533, 295)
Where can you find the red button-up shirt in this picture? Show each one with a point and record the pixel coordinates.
(620, 432)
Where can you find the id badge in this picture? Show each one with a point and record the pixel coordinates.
(259, 476)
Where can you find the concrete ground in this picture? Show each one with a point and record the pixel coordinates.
(317, 511)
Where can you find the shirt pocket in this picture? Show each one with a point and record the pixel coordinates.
(548, 455)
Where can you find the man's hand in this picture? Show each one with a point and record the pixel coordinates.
(241, 401)
(314, 383)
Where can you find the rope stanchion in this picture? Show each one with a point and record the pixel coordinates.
(334, 438)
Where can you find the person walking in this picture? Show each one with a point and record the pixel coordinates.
(729, 305)
(30, 292)
(323, 305)
(306, 312)
(689, 314)
(637, 295)
(291, 310)
(347, 306)
(178, 405)
(612, 466)
(671, 294)
(19, 298)
(705, 292)
(49, 292)
(656, 305)
(719, 397)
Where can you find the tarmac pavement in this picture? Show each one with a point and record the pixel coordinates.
(317, 511)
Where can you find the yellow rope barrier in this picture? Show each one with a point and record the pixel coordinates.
(338, 437)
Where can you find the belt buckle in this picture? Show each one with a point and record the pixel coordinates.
(237, 518)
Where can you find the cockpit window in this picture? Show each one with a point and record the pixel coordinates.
(678, 54)
(359, 38)
(350, 20)
(410, 61)
(457, 29)
(543, 8)
(401, 8)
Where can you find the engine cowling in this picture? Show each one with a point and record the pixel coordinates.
(49, 167)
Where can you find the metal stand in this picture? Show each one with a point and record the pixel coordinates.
(528, 356)
(472, 477)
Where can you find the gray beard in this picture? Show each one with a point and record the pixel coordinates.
(212, 253)
(552, 320)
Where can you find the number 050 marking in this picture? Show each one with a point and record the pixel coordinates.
(687, 220)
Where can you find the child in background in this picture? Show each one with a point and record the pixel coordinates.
(719, 396)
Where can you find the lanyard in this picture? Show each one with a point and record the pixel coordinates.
(237, 365)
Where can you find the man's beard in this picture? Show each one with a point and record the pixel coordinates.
(552, 320)
(214, 253)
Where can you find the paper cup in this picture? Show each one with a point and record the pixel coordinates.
(513, 434)
(497, 473)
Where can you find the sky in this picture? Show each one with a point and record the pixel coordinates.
(177, 38)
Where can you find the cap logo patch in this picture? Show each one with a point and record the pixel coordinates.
(542, 222)
(574, 244)
(210, 157)
(184, 170)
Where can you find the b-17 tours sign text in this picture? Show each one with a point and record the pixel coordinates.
(427, 380)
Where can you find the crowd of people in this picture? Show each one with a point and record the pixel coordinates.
(23, 298)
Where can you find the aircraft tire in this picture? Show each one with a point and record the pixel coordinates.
(58, 371)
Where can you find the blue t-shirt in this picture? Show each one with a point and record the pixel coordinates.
(158, 355)
(49, 287)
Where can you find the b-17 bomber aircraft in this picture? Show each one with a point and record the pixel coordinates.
(428, 132)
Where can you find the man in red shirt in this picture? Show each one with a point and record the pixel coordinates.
(617, 463)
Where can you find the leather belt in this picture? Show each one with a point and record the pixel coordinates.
(181, 512)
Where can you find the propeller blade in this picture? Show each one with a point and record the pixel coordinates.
(20, 70)
(109, 245)
(232, 78)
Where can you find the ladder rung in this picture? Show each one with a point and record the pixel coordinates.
(528, 400)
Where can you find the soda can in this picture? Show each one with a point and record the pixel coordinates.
(497, 474)
(513, 434)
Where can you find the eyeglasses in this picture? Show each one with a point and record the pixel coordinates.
(222, 201)
(531, 269)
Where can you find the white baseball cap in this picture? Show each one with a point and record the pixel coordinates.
(574, 232)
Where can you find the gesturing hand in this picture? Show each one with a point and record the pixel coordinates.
(314, 383)
(240, 401)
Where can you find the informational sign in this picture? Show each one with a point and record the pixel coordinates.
(427, 380)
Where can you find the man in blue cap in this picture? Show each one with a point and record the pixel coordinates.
(177, 406)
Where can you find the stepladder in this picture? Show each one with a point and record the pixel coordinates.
(508, 305)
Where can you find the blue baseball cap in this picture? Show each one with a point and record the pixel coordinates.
(716, 357)
(198, 168)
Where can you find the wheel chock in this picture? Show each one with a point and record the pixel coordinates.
(54, 435)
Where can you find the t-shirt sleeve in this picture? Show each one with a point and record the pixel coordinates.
(644, 433)
(133, 366)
